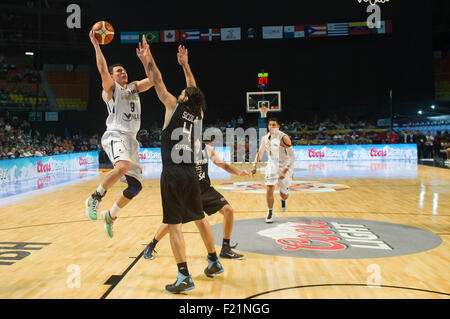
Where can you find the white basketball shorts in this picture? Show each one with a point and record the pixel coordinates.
(272, 178)
(123, 147)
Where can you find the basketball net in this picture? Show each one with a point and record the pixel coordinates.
(263, 111)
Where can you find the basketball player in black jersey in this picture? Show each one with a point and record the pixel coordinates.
(180, 189)
(213, 202)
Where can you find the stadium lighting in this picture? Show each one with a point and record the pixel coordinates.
(433, 106)
(29, 53)
(420, 112)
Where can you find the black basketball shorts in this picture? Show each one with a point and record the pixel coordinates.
(180, 194)
(212, 201)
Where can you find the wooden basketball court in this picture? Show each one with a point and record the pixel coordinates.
(49, 249)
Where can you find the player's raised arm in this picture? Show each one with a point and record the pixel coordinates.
(223, 165)
(107, 81)
(152, 72)
(144, 84)
(182, 57)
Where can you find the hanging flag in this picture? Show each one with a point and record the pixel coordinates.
(169, 36)
(129, 37)
(190, 35)
(337, 29)
(228, 34)
(358, 28)
(385, 27)
(251, 33)
(272, 32)
(316, 30)
(152, 36)
(210, 35)
(294, 31)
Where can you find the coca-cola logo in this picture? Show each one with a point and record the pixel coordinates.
(377, 153)
(315, 154)
(43, 168)
(319, 237)
(82, 160)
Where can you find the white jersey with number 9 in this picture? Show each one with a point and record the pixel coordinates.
(124, 110)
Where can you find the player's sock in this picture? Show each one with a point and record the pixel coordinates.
(183, 268)
(154, 242)
(212, 256)
(269, 218)
(283, 204)
(114, 210)
(226, 243)
(101, 190)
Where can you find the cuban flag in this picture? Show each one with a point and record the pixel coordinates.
(337, 29)
(210, 34)
(294, 31)
(316, 30)
(190, 35)
(169, 36)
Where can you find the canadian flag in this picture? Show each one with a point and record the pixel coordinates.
(169, 36)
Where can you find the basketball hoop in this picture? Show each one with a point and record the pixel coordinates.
(263, 111)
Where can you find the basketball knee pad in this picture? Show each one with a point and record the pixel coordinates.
(133, 189)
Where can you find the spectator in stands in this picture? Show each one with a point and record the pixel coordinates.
(240, 121)
(93, 143)
(420, 140)
(40, 152)
(437, 144)
(27, 152)
(393, 137)
(406, 137)
(429, 145)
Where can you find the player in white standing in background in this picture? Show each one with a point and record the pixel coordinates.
(280, 164)
(119, 141)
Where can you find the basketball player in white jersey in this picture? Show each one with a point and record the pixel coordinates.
(280, 164)
(119, 141)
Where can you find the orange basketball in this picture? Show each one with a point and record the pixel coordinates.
(104, 32)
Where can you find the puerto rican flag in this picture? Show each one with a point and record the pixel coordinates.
(316, 30)
(209, 34)
(169, 36)
(190, 35)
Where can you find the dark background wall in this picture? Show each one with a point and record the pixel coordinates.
(317, 77)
